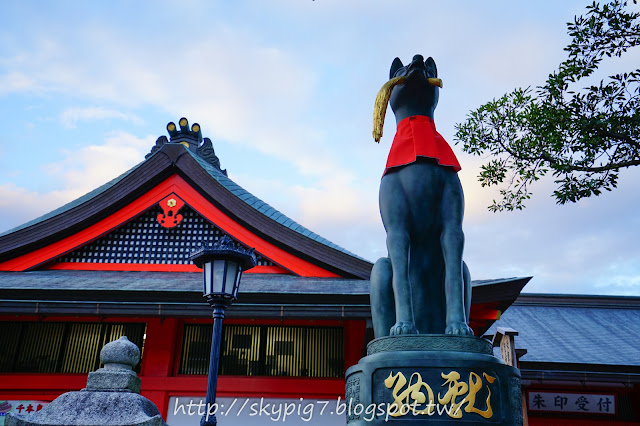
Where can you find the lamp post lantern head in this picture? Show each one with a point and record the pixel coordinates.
(223, 263)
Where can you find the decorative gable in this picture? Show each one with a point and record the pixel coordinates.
(146, 241)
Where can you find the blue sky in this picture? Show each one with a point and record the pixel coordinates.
(285, 91)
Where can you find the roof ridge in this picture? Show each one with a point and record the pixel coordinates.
(578, 300)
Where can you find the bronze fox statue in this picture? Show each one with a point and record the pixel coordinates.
(423, 286)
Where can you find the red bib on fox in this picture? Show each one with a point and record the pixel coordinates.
(416, 136)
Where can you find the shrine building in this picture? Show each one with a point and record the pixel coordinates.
(116, 262)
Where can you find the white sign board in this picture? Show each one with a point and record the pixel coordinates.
(572, 402)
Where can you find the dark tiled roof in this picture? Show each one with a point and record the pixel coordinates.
(173, 282)
(190, 282)
(575, 329)
(64, 292)
(178, 294)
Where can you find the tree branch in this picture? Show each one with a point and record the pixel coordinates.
(619, 136)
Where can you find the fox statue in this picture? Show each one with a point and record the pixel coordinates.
(423, 286)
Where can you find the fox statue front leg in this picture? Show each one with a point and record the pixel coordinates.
(383, 311)
(396, 217)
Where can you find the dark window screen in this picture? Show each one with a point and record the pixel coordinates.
(57, 347)
(261, 350)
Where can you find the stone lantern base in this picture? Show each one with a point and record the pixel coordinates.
(93, 408)
(110, 398)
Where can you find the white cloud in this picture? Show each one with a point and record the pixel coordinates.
(80, 172)
(237, 87)
(585, 247)
(16, 82)
(19, 205)
(337, 208)
(71, 116)
(335, 201)
(626, 284)
(93, 165)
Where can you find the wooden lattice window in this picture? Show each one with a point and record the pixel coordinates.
(261, 350)
(60, 347)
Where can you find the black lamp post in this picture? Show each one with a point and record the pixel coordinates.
(222, 264)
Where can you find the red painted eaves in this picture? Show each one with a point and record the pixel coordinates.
(149, 267)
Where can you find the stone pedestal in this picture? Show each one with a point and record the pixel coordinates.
(112, 396)
(432, 379)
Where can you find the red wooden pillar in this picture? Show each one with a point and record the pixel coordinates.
(353, 341)
(161, 348)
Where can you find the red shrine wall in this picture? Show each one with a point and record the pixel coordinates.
(160, 364)
(160, 380)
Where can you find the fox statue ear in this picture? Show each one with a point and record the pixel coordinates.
(432, 70)
(395, 66)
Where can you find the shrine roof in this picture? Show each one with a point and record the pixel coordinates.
(63, 292)
(575, 332)
(172, 282)
(117, 281)
(194, 160)
(215, 173)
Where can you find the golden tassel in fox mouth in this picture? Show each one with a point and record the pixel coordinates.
(382, 99)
